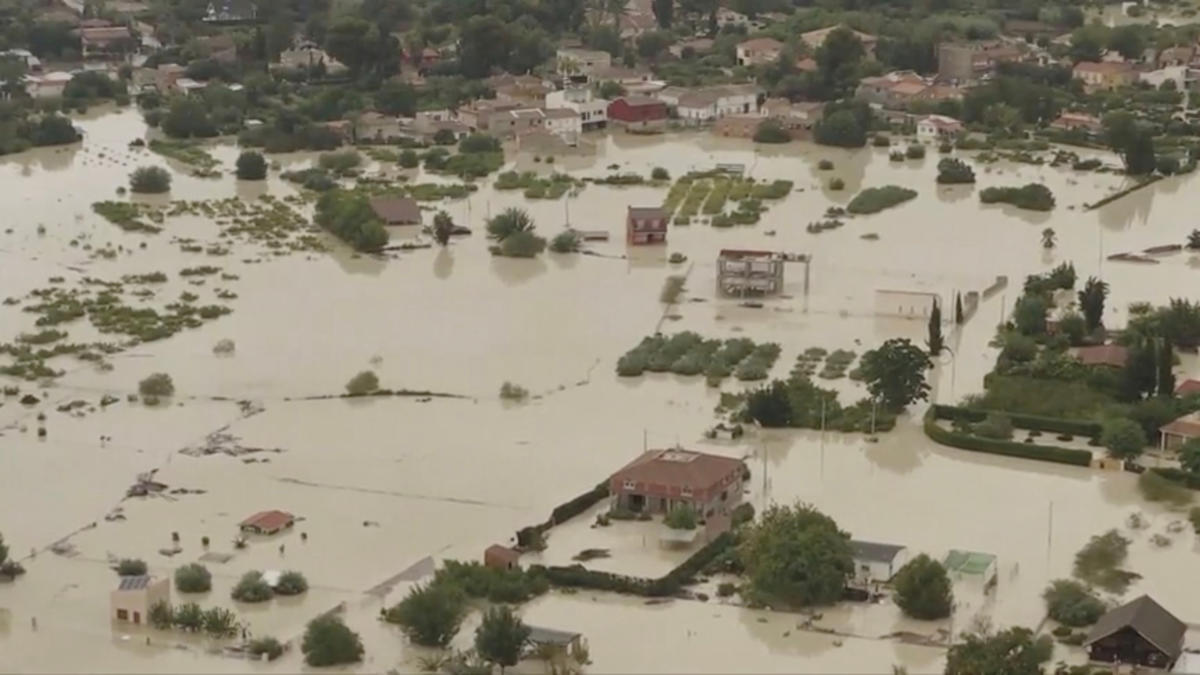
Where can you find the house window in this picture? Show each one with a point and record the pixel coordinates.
(123, 615)
(686, 491)
(629, 485)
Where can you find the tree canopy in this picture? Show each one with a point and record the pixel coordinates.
(796, 555)
(501, 637)
(328, 642)
(923, 589)
(1010, 652)
(895, 373)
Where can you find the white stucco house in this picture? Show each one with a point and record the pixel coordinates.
(938, 127)
(134, 596)
(592, 110)
(50, 85)
(875, 562)
(707, 104)
(564, 123)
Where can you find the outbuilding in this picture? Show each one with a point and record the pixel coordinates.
(396, 210)
(877, 563)
(501, 558)
(1179, 431)
(1139, 633)
(645, 225)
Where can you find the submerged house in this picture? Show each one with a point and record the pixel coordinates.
(396, 210)
(875, 562)
(645, 225)
(131, 601)
(659, 480)
(1138, 633)
(741, 272)
(267, 522)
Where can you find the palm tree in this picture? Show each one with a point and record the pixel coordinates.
(1048, 238)
(509, 222)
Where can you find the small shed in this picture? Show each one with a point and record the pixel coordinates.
(972, 564)
(1139, 632)
(1177, 432)
(1188, 388)
(501, 558)
(1113, 356)
(268, 522)
(877, 563)
(131, 601)
(551, 639)
(396, 210)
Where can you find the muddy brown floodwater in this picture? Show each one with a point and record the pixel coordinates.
(382, 484)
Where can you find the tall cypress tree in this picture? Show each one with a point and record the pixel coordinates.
(935, 342)
(1166, 361)
(958, 310)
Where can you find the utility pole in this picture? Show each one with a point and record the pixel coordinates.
(822, 439)
(1049, 532)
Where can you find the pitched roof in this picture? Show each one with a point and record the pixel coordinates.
(1103, 355)
(637, 101)
(502, 552)
(1148, 618)
(1187, 388)
(874, 551)
(817, 37)
(268, 520)
(396, 209)
(133, 583)
(645, 212)
(561, 113)
(1187, 426)
(761, 44)
(1104, 67)
(550, 636)
(679, 468)
(105, 33)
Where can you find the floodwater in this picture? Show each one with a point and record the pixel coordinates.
(383, 484)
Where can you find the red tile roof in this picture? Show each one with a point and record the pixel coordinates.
(396, 210)
(269, 520)
(647, 213)
(677, 469)
(1188, 388)
(1103, 355)
(1187, 426)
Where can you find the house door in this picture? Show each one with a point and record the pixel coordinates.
(137, 617)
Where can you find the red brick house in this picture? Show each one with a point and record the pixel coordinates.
(645, 225)
(659, 480)
(638, 112)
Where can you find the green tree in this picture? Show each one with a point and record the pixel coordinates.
(771, 131)
(1139, 156)
(365, 382)
(193, 578)
(149, 180)
(1193, 240)
(959, 317)
(1070, 603)
(923, 589)
(1166, 365)
(188, 117)
(501, 637)
(429, 615)
(1189, 456)
(838, 59)
(952, 170)
(161, 616)
(566, 241)
(131, 567)
(1123, 438)
(1091, 301)
(841, 129)
(252, 588)
(522, 245)
(770, 405)
(1073, 326)
(796, 554)
(1014, 651)
(189, 617)
(351, 41)
(220, 623)
(328, 642)
(3, 550)
(349, 217)
(1029, 314)
(443, 226)
(895, 373)
(653, 44)
(509, 222)
(397, 98)
(1088, 42)
(935, 342)
(1048, 238)
(1129, 41)
(681, 517)
(291, 582)
(251, 166)
(664, 12)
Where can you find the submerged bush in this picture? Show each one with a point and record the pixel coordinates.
(363, 383)
(158, 385)
(874, 200)
(150, 180)
(1034, 196)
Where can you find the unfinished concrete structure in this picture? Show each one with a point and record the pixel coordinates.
(743, 272)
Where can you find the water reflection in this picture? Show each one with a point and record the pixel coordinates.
(516, 271)
(443, 263)
(955, 193)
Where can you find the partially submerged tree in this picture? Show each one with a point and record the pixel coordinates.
(1011, 652)
(131, 567)
(501, 637)
(252, 587)
(366, 382)
(291, 582)
(443, 227)
(895, 373)
(328, 642)
(935, 342)
(1048, 238)
(1071, 603)
(1091, 302)
(157, 385)
(923, 589)
(251, 166)
(796, 555)
(509, 222)
(429, 615)
(681, 517)
(193, 578)
(1123, 438)
(149, 180)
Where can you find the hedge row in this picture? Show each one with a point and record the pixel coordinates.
(578, 576)
(1184, 478)
(1056, 425)
(1044, 453)
(564, 512)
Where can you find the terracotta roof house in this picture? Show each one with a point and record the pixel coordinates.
(1139, 633)
(807, 64)
(1104, 74)
(501, 557)
(1179, 431)
(659, 480)
(892, 89)
(1103, 355)
(396, 210)
(1069, 121)
(645, 225)
(758, 51)
(815, 38)
(267, 522)
(935, 127)
(638, 112)
(1188, 388)
(105, 40)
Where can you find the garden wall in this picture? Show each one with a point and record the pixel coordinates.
(1056, 425)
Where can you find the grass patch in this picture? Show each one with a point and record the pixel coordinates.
(127, 216)
(188, 153)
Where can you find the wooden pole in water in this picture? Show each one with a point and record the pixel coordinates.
(1049, 532)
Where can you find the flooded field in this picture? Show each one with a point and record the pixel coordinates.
(382, 484)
